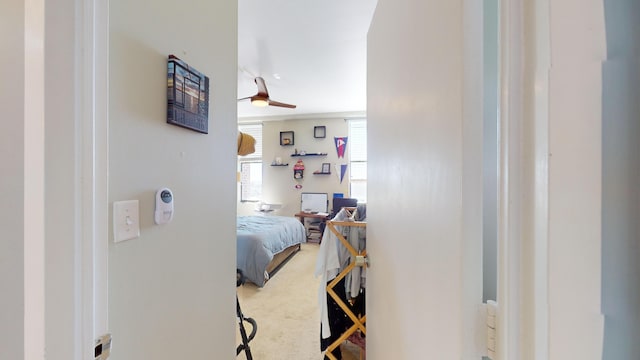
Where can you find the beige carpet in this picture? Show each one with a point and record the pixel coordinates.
(286, 310)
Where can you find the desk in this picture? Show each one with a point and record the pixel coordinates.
(314, 233)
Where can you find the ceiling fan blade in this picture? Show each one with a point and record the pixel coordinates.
(263, 96)
(262, 87)
(245, 98)
(276, 103)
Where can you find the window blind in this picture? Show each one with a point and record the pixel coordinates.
(358, 159)
(250, 166)
(358, 139)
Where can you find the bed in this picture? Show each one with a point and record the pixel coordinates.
(265, 243)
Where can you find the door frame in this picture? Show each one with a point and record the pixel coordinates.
(523, 222)
(92, 161)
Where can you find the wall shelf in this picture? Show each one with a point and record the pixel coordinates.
(309, 154)
(286, 138)
(321, 173)
(279, 164)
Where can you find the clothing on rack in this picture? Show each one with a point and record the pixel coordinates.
(356, 279)
(333, 257)
(339, 322)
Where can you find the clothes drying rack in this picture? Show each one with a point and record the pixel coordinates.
(357, 259)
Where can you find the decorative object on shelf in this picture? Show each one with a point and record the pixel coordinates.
(325, 170)
(319, 132)
(298, 170)
(341, 145)
(187, 96)
(286, 138)
(278, 162)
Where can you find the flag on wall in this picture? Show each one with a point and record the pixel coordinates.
(343, 170)
(340, 171)
(341, 145)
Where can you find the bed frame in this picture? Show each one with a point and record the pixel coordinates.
(281, 258)
(266, 243)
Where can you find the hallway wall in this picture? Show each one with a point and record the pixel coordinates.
(172, 290)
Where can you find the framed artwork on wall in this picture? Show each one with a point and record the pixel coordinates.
(187, 96)
(286, 138)
(319, 132)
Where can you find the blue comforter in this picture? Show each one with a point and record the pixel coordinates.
(260, 238)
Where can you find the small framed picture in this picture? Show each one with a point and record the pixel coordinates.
(187, 96)
(319, 132)
(286, 138)
(326, 168)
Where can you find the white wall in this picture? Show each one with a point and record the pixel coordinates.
(621, 168)
(171, 291)
(575, 179)
(278, 184)
(424, 136)
(12, 180)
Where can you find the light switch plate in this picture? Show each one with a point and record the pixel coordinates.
(126, 220)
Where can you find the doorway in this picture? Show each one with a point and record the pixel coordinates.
(328, 46)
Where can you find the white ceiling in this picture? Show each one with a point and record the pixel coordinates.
(317, 48)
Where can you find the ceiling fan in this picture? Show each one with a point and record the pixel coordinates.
(262, 97)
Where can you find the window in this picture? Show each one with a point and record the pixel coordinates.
(358, 146)
(250, 166)
(250, 181)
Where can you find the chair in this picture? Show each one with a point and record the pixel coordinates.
(339, 203)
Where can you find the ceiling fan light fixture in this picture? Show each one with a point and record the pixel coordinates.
(261, 99)
(259, 102)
